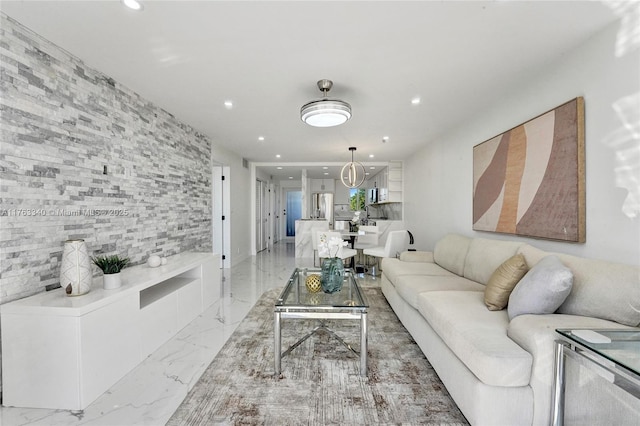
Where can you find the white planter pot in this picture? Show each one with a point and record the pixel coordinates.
(75, 268)
(111, 281)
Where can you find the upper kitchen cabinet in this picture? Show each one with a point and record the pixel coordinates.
(394, 181)
(323, 185)
(389, 183)
(341, 194)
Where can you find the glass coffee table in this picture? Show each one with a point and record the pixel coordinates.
(296, 302)
(612, 353)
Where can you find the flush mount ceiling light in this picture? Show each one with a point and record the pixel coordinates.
(132, 4)
(325, 112)
(352, 174)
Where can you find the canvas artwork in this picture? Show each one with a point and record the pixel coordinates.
(529, 180)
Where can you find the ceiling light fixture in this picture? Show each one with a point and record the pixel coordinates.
(352, 174)
(132, 4)
(325, 112)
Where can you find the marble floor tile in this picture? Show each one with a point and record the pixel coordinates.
(150, 393)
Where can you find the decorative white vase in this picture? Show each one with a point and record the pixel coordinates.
(154, 261)
(75, 270)
(111, 281)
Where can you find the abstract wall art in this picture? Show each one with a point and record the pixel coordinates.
(530, 180)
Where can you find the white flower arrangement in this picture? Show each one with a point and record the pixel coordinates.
(356, 218)
(330, 247)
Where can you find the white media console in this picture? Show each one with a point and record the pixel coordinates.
(63, 352)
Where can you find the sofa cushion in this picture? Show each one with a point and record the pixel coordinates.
(485, 256)
(410, 286)
(417, 256)
(542, 290)
(451, 251)
(502, 282)
(601, 289)
(477, 336)
(394, 268)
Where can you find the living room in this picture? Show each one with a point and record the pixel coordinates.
(76, 137)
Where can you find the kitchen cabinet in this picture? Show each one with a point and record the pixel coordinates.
(341, 194)
(323, 185)
(394, 182)
(389, 183)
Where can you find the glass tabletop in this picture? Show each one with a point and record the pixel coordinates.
(296, 294)
(619, 346)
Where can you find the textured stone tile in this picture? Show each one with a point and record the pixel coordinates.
(61, 122)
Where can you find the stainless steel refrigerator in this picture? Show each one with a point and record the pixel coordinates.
(322, 206)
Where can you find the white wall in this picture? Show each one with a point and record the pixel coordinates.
(240, 209)
(438, 178)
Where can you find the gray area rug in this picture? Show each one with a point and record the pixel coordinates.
(320, 382)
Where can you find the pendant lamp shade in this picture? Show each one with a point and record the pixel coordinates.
(325, 112)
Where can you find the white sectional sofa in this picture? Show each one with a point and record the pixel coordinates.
(499, 371)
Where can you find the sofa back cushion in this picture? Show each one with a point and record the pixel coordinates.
(600, 289)
(485, 256)
(451, 251)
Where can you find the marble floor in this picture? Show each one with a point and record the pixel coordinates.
(151, 392)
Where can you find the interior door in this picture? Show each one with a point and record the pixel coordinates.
(258, 215)
(265, 216)
(262, 215)
(293, 210)
(221, 221)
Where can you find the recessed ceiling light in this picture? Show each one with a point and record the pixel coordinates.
(277, 155)
(290, 177)
(385, 138)
(372, 168)
(132, 4)
(326, 174)
(371, 155)
(325, 168)
(279, 168)
(260, 138)
(228, 104)
(415, 101)
(367, 173)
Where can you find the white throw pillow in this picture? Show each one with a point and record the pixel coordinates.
(542, 290)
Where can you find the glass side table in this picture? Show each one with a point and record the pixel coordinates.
(611, 353)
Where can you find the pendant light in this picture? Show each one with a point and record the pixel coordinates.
(325, 112)
(352, 174)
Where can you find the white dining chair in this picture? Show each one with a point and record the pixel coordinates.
(367, 238)
(397, 242)
(342, 252)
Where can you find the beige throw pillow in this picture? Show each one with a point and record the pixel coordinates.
(502, 282)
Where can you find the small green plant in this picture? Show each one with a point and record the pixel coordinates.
(110, 264)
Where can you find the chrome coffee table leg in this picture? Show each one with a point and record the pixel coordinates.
(277, 342)
(363, 344)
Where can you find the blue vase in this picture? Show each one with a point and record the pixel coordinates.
(332, 275)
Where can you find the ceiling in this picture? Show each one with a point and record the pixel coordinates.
(189, 57)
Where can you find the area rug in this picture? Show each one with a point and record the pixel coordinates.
(320, 382)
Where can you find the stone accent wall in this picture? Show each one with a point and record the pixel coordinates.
(81, 156)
